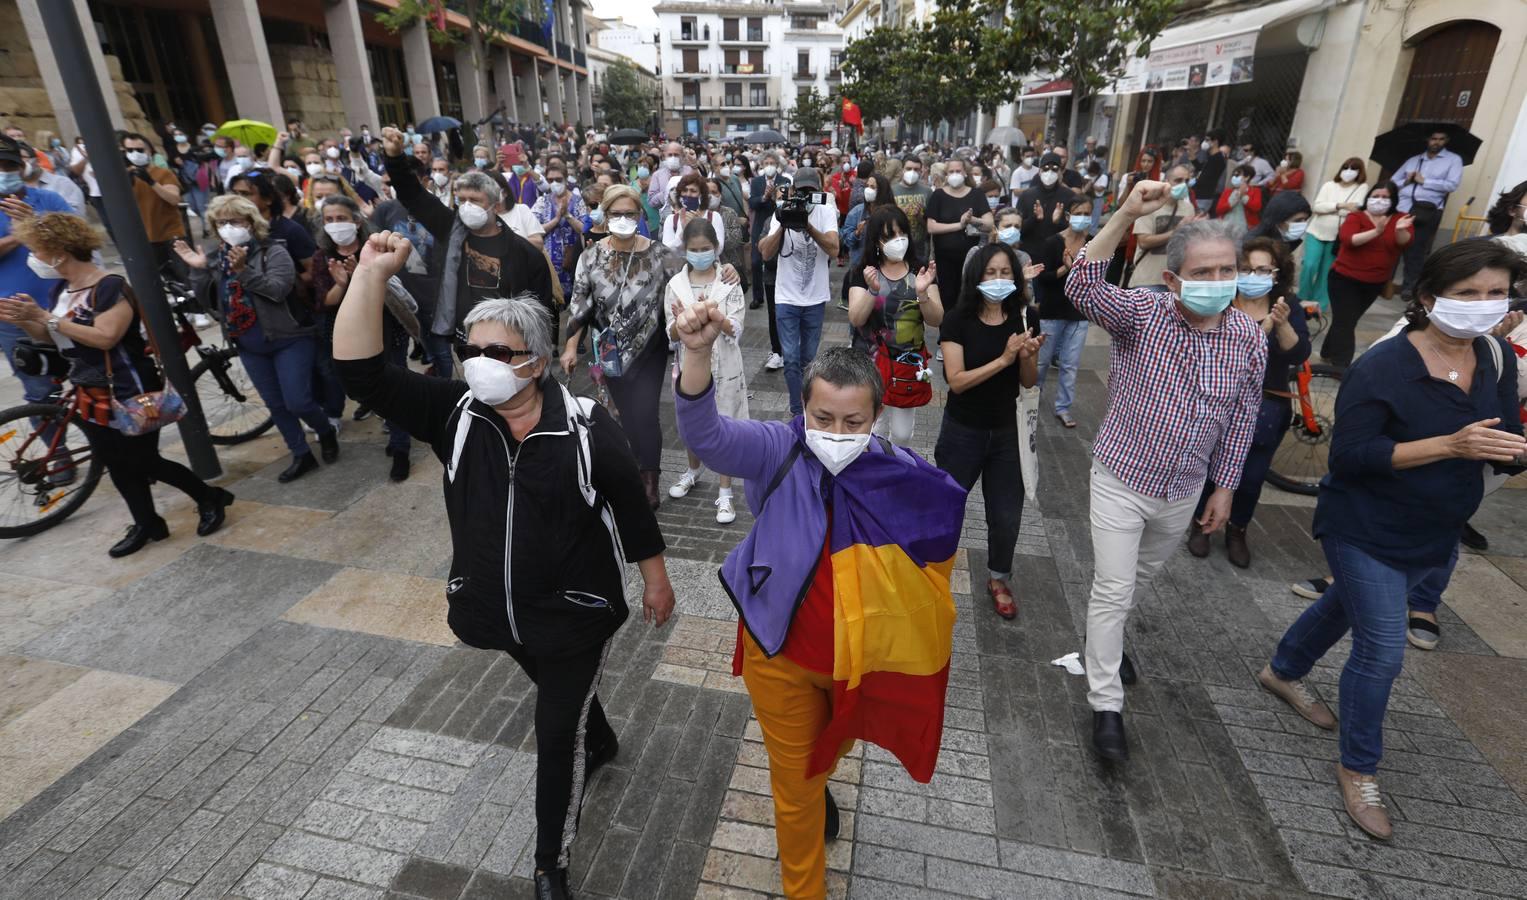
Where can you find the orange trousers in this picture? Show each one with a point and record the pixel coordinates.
(793, 705)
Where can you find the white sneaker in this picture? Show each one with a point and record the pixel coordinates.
(201, 320)
(682, 487)
(724, 513)
(939, 353)
(337, 423)
(775, 362)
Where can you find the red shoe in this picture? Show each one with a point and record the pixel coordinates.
(1002, 599)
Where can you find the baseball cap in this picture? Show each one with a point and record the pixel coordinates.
(807, 177)
(10, 149)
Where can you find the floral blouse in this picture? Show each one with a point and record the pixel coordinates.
(623, 291)
(558, 239)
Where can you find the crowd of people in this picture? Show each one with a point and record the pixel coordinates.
(441, 287)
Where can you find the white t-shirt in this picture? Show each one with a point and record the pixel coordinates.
(802, 279)
(673, 233)
(1021, 178)
(75, 158)
(522, 221)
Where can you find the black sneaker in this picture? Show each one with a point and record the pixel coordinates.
(362, 413)
(400, 467)
(1108, 736)
(1473, 539)
(328, 445)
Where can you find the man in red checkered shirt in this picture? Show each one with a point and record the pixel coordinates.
(1184, 386)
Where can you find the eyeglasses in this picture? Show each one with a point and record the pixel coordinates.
(621, 215)
(1264, 271)
(497, 352)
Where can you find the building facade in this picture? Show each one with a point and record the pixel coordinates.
(329, 63)
(604, 35)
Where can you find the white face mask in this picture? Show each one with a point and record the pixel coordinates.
(623, 227)
(1028, 162)
(1466, 319)
(494, 382)
(472, 215)
(294, 174)
(895, 249)
(714, 201)
(955, 180)
(835, 451)
(137, 157)
(235, 235)
(870, 194)
(1349, 175)
(770, 171)
(736, 170)
(343, 233)
(1049, 178)
(1378, 205)
(672, 163)
(1203, 145)
(910, 176)
(315, 169)
(556, 188)
(441, 179)
(41, 269)
(332, 152)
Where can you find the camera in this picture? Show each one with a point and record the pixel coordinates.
(795, 210)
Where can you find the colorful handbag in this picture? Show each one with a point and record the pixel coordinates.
(145, 411)
(907, 379)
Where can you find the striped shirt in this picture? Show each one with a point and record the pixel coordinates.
(1182, 402)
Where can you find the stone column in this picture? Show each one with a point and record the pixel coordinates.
(585, 100)
(528, 106)
(246, 60)
(553, 90)
(569, 96)
(47, 65)
(503, 82)
(472, 80)
(351, 67)
(420, 64)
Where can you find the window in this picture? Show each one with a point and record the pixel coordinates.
(804, 23)
(691, 61)
(691, 94)
(803, 62)
(729, 29)
(835, 61)
(758, 94)
(688, 30)
(731, 62)
(755, 28)
(734, 93)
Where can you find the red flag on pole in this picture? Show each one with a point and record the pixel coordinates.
(852, 116)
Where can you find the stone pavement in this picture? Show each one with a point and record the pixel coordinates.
(280, 711)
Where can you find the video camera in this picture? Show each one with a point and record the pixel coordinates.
(795, 210)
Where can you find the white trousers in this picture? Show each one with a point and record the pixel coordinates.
(1132, 537)
(895, 423)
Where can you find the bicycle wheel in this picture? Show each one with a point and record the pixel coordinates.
(233, 408)
(47, 468)
(1303, 457)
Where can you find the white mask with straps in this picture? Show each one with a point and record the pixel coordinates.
(835, 451)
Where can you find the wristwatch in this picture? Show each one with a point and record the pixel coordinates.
(53, 323)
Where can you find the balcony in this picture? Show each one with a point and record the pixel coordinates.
(699, 69)
(746, 37)
(528, 30)
(580, 58)
(806, 74)
(694, 36)
(564, 52)
(740, 102)
(745, 70)
(835, 74)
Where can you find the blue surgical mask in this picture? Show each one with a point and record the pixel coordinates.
(1208, 298)
(1295, 231)
(690, 203)
(997, 289)
(221, 153)
(643, 172)
(1008, 235)
(993, 202)
(10, 182)
(596, 215)
(1235, 180)
(700, 260)
(1081, 223)
(518, 170)
(1179, 191)
(480, 163)
(1253, 285)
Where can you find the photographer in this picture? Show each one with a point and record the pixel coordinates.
(157, 192)
(801, 288)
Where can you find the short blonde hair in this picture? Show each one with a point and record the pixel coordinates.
(620, 192)
(232, 206)
(56, 233)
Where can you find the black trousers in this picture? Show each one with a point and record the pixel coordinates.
(1350, 298)
(569, 726)
(1427, 219)
(763, 287)
(134, 464)
(636, 395)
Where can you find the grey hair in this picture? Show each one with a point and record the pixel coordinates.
(1202, 231)
(524, 315)
(478, 181)
(844, 367)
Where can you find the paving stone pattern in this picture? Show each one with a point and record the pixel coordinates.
(296, 761)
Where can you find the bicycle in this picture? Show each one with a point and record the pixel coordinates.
(1315, 319)
(231, 405)
(48, 467)
(1303, 458)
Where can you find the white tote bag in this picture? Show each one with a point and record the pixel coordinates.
(1028, 440)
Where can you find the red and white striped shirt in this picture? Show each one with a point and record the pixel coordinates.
(1182, 403)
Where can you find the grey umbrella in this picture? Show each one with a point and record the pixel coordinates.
(1006, 136)
(764, 136)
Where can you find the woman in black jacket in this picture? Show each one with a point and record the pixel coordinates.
(545, 507)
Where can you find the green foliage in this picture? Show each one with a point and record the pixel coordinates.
(815, 113)
(491, 19)
(622, 99)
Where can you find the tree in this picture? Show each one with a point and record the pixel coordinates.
(622, 100)
(491, 20)
(813, 113)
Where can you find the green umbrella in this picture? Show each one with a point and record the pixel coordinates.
(248, 132)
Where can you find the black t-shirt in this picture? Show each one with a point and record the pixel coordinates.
(944, 208)
(1210, 176)
(299, 241)
(87, 365)
(1050, 288)
(485, 263)
(992, 403)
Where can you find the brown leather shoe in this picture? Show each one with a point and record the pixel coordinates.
(1235, 547)
(1198, 541)
(1364, 805)
(1295, 694)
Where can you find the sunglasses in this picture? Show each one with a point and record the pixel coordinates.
(496, 352)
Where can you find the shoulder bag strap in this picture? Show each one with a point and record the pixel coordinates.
(779, 474)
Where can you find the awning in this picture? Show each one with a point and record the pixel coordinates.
(1060, 87)
(1214, 50)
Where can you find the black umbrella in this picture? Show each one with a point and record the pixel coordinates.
(437, 124)
(764, 136)
(1392, 148)
(629, 136)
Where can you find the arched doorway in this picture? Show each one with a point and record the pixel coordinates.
(1447, 74)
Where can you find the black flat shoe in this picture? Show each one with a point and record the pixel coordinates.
(301, 465)
(137, 538)
(400, 467)
(756, 304)
(1473, 539)
(328, 445)
(833, 822)
(211, 512)
(552, 885)
(597, 758)
(1127, 670)
(361, 414)
(1108, 736)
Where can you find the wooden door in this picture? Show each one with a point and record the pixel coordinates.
(1447, 74)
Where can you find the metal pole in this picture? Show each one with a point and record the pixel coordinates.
(61, 21)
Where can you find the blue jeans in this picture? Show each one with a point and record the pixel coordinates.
(1367, 597)
(1063, 344)
(282, 371)
(437, 348)
(1426, 596)
(1273, 421)
(800, 330)
(990, 454)
(35, 388)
